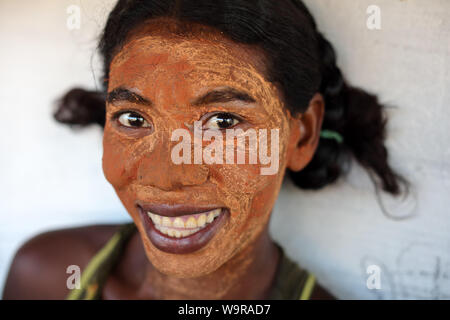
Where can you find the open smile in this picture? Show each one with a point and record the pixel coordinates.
(181, 228)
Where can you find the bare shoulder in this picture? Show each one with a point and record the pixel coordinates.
(38, 269)
(320, 293)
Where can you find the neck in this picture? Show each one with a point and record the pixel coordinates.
(248, 275)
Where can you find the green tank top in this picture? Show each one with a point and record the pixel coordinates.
(291, 281)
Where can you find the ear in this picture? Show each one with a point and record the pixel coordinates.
(305, 134)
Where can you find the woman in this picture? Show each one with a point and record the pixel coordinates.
(200, 229)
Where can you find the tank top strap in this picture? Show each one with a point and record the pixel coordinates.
(308, 288)
(96, 272)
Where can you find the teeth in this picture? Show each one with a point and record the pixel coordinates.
(185, 233)
(191, 223)
(166, 222)
(176, 233)
(216, 212)
(178, 223)
(210, 217)
(183, 226)
(201, 220)
(155, 218)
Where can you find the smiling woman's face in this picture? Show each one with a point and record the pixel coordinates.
(160, 82)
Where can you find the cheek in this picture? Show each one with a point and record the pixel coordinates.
(250, 198)
(114, 164)
(119, 159)
(119, 168)
(244, 190)
(122, 156)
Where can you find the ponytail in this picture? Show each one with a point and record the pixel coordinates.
(81, 108)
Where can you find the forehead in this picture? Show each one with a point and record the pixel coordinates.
(196, 61)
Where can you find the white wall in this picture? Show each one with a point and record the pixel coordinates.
(51, 177)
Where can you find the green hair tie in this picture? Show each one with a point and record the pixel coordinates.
(329, 134)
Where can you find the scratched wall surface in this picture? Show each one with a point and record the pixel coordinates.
(51, 177)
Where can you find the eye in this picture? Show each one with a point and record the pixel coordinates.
(221, 121)
(132, 120)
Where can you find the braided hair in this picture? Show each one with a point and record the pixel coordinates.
(301, 60)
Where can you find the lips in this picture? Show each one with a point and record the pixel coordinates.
(181, 229)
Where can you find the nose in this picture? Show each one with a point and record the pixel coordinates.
(157, 169)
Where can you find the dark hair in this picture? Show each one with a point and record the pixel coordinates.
(301, 60)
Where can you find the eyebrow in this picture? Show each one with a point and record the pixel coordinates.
(220, 95)
(224, 94)
(124, 94)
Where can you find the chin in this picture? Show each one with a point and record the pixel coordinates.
(192, 265)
